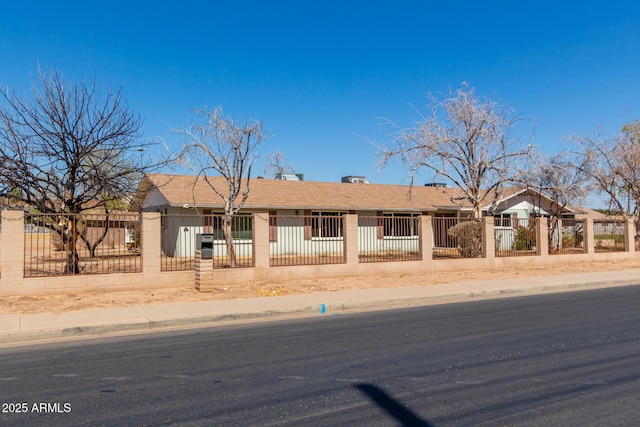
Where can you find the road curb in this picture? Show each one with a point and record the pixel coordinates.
(138, 326)
(154, 325)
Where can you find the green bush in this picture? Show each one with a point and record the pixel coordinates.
(525, 239)
(568, 241)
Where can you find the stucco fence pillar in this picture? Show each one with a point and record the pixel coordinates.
(488, 238)
(426, 241)
(542, 236)
(630, 235)
(350, 237)
(588, 237)
(150, 235)
(260, 236)
(12, 251)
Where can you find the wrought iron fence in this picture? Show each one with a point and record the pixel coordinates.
(306, 239)
(566, 236)
(515, 236)
(457, 238)
(608, 235)
(178, 240)
(389, 238)
(60, 244)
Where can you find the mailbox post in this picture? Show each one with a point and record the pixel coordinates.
(204, 269)
(204, 243)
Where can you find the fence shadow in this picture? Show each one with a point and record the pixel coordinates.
(391, 406)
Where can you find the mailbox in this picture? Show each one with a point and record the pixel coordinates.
(204, 242)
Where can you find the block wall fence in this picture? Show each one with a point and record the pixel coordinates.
(13, 282)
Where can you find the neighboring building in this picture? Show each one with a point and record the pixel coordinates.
(290, 176)
(384, 211)
(355, 179)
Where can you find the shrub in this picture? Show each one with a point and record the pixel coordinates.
(525, 239)
(568, 240)
(468, 234)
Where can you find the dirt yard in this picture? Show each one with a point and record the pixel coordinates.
(79, 301)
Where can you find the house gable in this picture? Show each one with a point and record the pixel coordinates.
(148, 196)
(525, 202)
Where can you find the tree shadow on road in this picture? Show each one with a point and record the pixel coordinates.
(391, 406)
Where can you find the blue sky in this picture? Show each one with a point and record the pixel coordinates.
(321, 74)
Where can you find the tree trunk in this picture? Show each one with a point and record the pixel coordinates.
(228, 238)
(73, 259)
(477, 211)
(91, 247)
(552, 232)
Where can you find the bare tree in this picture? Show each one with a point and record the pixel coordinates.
(216, 144)
(613, 165)
(466, 139)
(70, 148)
(275, 165)
(562, 179)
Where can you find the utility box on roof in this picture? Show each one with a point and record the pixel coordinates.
(204, 242)
(355, 179)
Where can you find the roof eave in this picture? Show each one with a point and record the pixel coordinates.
(314, 208)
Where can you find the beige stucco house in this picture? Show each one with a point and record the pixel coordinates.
(387, 213)
(184, 193)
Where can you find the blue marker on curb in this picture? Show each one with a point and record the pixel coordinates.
(323, 309)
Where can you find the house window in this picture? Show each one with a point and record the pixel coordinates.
(163, 218)
(273, 226)
(502, 220)
(326, 224)
(241, 226)
(208, 221)
(400, 225)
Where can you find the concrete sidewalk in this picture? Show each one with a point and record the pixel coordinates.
(25, 327)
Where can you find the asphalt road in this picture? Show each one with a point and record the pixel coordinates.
(564, 359)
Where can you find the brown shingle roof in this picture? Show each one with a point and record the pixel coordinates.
(583, 213)
(179, 190)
